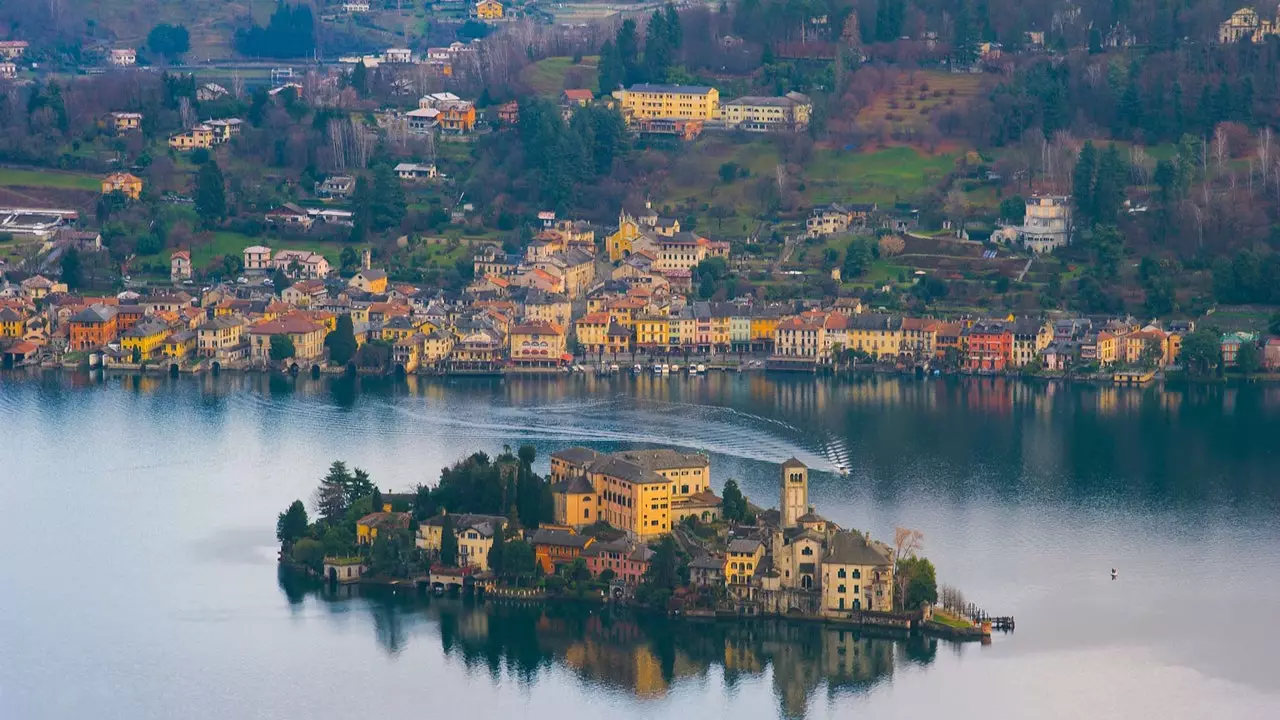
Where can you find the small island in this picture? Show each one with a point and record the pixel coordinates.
(639, 528)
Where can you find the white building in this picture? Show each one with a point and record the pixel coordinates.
(1046, 225)
(257, 258)
(124, 57)
(415, 171)
(397, 55)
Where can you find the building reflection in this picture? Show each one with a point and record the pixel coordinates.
(639, 655)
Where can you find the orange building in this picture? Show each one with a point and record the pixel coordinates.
(93, 327)
(552, 548)
(989, 346)
(129, 184)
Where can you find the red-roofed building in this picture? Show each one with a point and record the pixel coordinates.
(306, 334)
(537, 344)
(988, 346)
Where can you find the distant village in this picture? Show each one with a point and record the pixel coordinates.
(573, 298)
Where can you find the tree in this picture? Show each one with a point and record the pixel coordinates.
(1201, 352)
(388, 206)
(919, 582)
(281, 348)
(857, 259)
(612, 73)
(1082, 182)
(171, 41)
(527, 454)
(72, 269)
(906, 543)
(733, 505)
(331, 497)
(1273, 326)
(292, 524)
(578, 571)
(342, 341)
(519, 560)
(497, 553)
(728, 172)
(359, 485)
(211, 197)
(1013, 207)
(360, 79)
(375, 498)
(1248, 358)
(663, 570)
(1109, 185)
(965, 36)
(279, 281)
(448, 542)
(289, 34)
(309, 552)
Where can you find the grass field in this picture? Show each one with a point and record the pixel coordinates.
(208, 248)
(48, 179)
(548, 77)
(916, 96)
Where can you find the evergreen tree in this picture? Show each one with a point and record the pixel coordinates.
(1082, 182)
(282, 348)
(627, 43)
(1108, 191)
(497, 564)
(448, 542)
(72, 269)
(657, 48)
(331, 497)
(291, 525)
(388, 203)
(360, 79)
(675, 31)
(732, 503)
(611, 73)
(965, 38)
(211, 197)
(342, 341)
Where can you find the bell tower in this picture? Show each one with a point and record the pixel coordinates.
(795, 492)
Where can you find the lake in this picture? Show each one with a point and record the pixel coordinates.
(138, 516)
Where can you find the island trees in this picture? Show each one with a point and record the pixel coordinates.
(733, 504)
(292, 524)
(342, 341)
(914, 578)
(281, 348)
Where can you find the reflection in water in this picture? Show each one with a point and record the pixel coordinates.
(638, 655)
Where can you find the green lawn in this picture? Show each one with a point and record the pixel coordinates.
(234, 243)
(48, 179)
(883, 176)
(547, 77)
(942, 617)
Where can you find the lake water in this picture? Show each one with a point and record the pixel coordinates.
(137, 520)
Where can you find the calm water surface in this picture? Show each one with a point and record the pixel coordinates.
(137, 520)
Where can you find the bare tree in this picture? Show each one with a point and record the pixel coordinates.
(906, 543)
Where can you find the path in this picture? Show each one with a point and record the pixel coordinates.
(1026, 268)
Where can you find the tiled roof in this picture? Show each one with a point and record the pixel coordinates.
(851, 548)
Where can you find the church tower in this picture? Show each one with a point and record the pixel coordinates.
(795, 492)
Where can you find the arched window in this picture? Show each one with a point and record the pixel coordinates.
(840, 574)
(857, 574)
(807, 550)
(840, 589)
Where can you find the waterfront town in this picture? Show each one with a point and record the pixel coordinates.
(623, 300)
(639, 527)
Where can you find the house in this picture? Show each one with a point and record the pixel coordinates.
(397, 55)
(1231, 343)
(1046, 224)
(537, 344)
(145, 339)
(487, 10)
(123, 57)
(553, 548)
(8, 71)
(369, 526)
(217, 336)
(1030, 338)
(857, 574)
(257, 258)
(93, 327)
(223, 130)
(351, 8)
(742, 560)
(13, 49)
(786, 113)
(127, 183)
(415, 171)
(1246, 24)
(208, 92)
(509, 113)
(645, 101)
(38, 287)
(370, 281)
(455, 114)
(12, 323)
(988, 346)
(305, 293)
(707, 571)
(577, 97)
(306, 334)
(200, 136)
(474, 533)
(422, 120)
(343, 570)
(336, 186)
(627, 560)
(179, 266)
(123, 122)
(290, 215)
(830, 219)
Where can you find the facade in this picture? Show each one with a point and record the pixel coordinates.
(127, 183)
(200, 136)
(1046, 225)
(537, 343)
(307, 337)
(93, 327)
(370, 281)
(123, 57)
(828, 220)
(179, 266)
(787, 113)
(1246, 24)
(455, 114)
(290, 215)
(123, 122)
(302, 264)
(988, 346)
(857, 574)
(795, 492)
(742, 560)
(219, 335)
(646, 101)
(257, 258)
(1030, 338)
(553, 548)
(415, 171)
(13, 49)
(627, 560)
(487, 10)
(146, 338)
(368, 527)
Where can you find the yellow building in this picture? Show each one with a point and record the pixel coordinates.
(147, 337)
(219, 334)
(125, 121)
(619, 244)
(368, 527)
(652, 331)
(877, 335)
(370, 281)
(688, 102)
(129, 184)
(1108, 347)
(487, 10)
(592, 331)
(857, 574)
(306, 334)
(537, 343)
(402, 327)
(12, 323)
(474, 534)
(180, 345)
(200, 136)
(436, 347)
(742, 560)
(633, 490)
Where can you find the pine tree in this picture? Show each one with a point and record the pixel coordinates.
(331, 496)
(611, 73)
(675, 32)
(448, 542)
(342, 341)
(1109, 185)
(1082, 182)
(211, 198)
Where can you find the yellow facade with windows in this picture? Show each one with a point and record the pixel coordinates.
(652, 332)
(688, 102)
(741, 561)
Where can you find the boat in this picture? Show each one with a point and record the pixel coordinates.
(657, 368)
(613, 367)
(675, 368)
(637, 368)
(665, 369)
(702, 368)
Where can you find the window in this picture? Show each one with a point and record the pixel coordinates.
(840, 590)
(840, 574)
(855, 589)
(586, 513)
(857, 574)
(807, 550)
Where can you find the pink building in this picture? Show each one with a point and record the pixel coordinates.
(628, 562)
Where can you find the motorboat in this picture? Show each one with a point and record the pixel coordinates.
(675, 368)
(702, 368)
